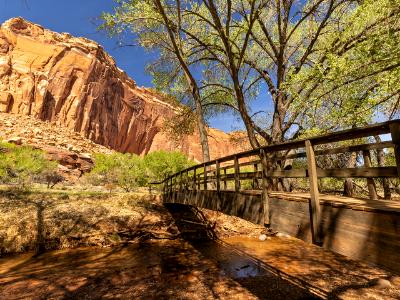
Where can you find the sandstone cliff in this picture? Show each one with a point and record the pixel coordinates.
(74, 83)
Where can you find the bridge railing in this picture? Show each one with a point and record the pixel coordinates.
(265, 168)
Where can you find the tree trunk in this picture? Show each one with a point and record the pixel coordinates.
(348, 182)
(190, 80)
(202, 127)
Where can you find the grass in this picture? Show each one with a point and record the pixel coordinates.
(40, 219)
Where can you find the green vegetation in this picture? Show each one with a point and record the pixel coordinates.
(23, 165)
(126, 171)
(161, 164)
(316, 65)
(129, 171)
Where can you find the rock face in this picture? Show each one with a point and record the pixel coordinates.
(74, 83)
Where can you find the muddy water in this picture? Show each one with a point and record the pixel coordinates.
(163, 269)
(195, 266)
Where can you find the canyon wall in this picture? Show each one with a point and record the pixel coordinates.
(74, 83)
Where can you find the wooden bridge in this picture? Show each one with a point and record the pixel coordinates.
(251, 185)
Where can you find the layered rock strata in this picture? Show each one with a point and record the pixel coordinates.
(72, 82)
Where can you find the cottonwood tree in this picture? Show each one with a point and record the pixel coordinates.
(313, 57)
(157, 25)
(326, 64)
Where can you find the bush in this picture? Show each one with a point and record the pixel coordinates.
(161, 164)
(126, 171)
(129, 171)
(22, 165)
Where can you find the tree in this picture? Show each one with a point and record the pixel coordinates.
(157, 25)
(161, 164)
(124, 170)
(296, 51)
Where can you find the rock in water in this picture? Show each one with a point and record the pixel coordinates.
(74, 83)
(262, 237)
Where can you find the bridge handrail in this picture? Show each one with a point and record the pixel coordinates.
(268, 163)
(343, 135)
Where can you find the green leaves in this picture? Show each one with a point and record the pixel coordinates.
(22, 164)
(124, 170)
(325, 64)
(161, 164)
(129, 171)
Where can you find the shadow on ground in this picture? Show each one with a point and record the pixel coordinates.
(261, 280)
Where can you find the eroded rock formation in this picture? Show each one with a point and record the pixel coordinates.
(74, 83)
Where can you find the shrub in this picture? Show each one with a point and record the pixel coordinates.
(124, 170)
(161, 164)
(22, 165)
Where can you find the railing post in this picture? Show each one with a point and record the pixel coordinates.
(198, 181)
(218, 176)
(370, 181)
(194, 179)
(315, 209)
(205, 177)
(264, 183)
(225, 181)
(237, 174)
(180, 181)
(395, 133)
(254, 183)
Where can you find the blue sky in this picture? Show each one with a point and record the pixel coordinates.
(77, 17)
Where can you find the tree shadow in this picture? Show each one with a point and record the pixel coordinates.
(262, 280)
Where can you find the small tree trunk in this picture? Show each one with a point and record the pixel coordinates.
(202, 126)
(348, 182)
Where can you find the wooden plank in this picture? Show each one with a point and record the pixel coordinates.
(225, 182)
(194, 179)
(395, 133)
(228, 167)
(237, 174)
(370, 182)
(315, 209)
(355, 148)
(358, 172)
(371, 172)
(250, 163)
(187, 180)
(218, 175)
(264, 186)
(205, 177)
(254, 183)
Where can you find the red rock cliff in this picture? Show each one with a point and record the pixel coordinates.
(75, 83)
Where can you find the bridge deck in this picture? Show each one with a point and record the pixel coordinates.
(345, 202)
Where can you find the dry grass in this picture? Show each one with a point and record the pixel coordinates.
(40, 220)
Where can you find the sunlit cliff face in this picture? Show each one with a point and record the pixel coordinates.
(75, 83)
